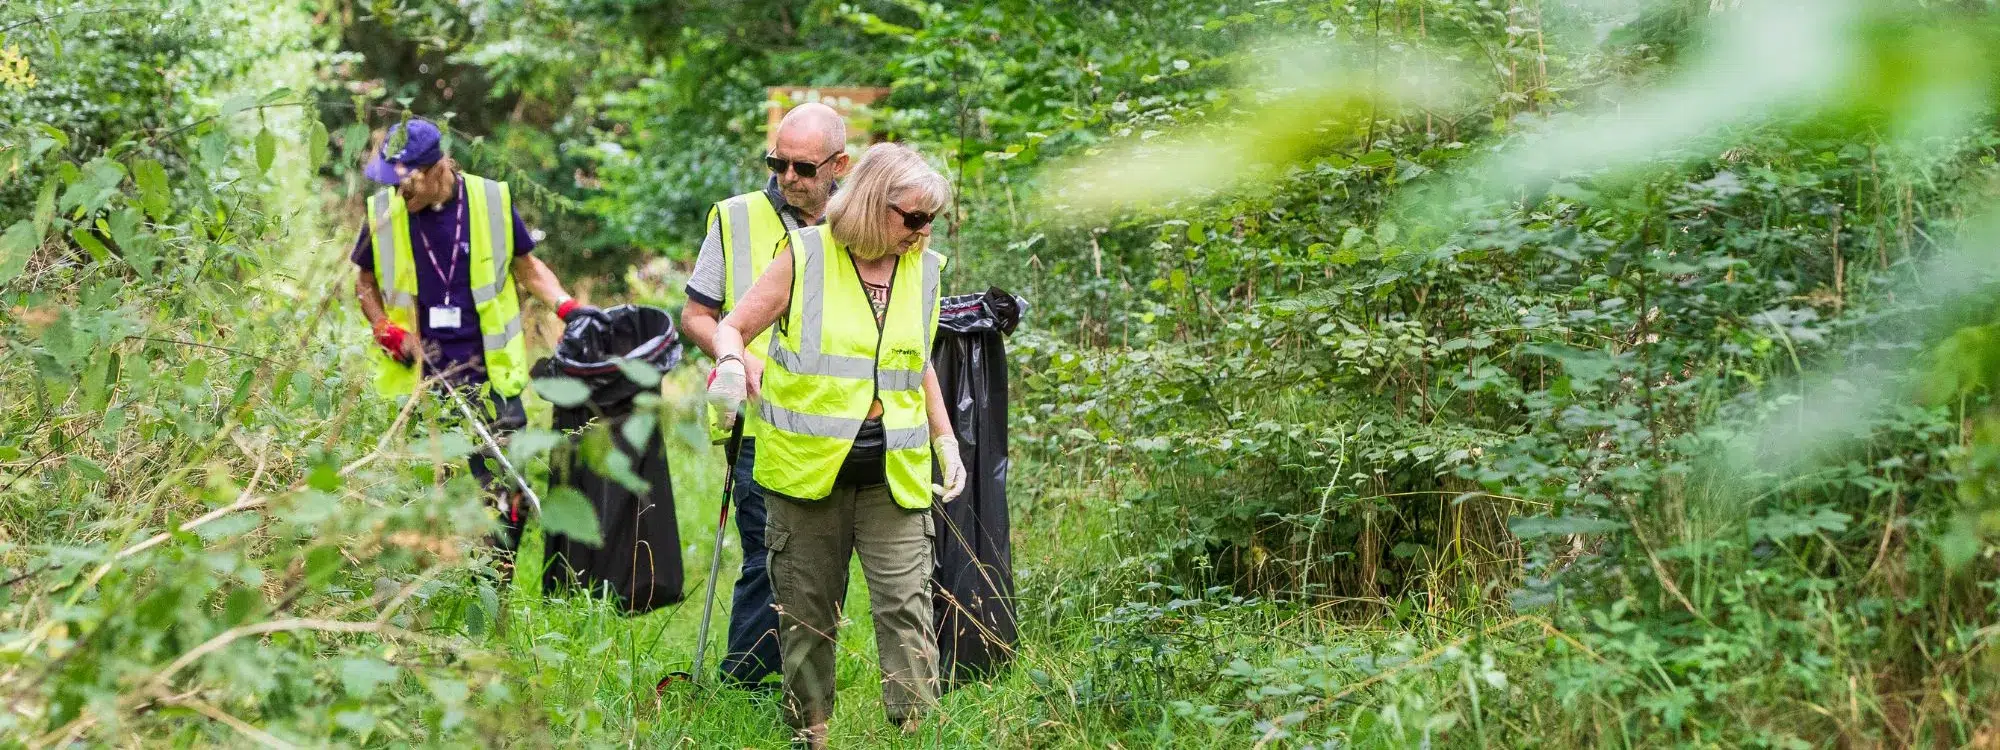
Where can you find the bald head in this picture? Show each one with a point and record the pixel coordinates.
(814, 134)
(813, 122)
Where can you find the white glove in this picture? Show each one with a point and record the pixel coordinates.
(949, 464)
(726, 389)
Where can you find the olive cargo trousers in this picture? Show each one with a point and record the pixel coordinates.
(811, 542)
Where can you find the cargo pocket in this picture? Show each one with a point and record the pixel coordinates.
(776, 562)
(930, 554)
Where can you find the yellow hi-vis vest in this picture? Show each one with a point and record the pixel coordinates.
(829, 362)
(491, 239)
(751, 231)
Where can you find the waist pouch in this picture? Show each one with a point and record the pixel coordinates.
(864, 461)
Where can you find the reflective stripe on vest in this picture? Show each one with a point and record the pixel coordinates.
(387, 276)
(830, 362)
(751, 230)
(490, 241)
(492, 251)
(811, 359)
(844, 428)
(739, 249)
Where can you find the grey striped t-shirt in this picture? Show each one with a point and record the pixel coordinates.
(705, 283)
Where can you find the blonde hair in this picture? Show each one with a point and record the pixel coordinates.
(887, 171)
(430, 186)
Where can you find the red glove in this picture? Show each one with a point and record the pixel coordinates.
(571, 307)
(393, 339)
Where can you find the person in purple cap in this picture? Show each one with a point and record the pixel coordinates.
(440, 256)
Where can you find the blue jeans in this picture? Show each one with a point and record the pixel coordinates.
(753, 614)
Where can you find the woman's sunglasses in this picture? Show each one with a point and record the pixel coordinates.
(807, 170)
(913, 220)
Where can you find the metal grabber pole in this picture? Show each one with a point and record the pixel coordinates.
(493, 448)
(715, 557)
(714, 565)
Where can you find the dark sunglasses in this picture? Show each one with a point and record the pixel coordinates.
(913, 220)
(804, 169)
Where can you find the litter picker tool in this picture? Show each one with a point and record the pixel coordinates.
(714, 563)
(493, 449)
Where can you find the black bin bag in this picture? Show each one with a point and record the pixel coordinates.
(639, 564)
(973, 591)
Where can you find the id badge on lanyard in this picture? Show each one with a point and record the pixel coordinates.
(448, 317)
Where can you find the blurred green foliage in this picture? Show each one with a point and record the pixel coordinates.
(1398, 372)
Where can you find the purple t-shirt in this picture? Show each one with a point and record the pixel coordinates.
(440, 226)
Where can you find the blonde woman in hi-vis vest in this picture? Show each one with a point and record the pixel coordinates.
(849, 417)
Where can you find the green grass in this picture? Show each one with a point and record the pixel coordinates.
(599, 667)
(1075, 683)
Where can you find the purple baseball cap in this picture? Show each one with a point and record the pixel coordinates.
(423, 147)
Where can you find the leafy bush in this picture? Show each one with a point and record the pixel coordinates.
(1436, 410)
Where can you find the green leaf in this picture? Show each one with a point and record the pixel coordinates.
(237, 104)
(316, 144)
(243, 386)
(638, 429)
(1196, 233)
(321, 563)
(213, 150)
(122, 226)
(1376, 160)
(195, 373)
(1586, 368)
(89, 243)
(1781, 526)
(155, 195)
(16, 247)
(1353, 236)
(45, 208)
(567, 513)
(267, 149)
(54, 134)
(564, 392)
(86, 468)
(361, 676)
(529, 444)
(353, 141)
(448, 691)
(229, 525)
(453, 443)
(355, 720)
(94, 377)
(1385, 232)
(480, 610)
(640, 373)
(603, 456)
(39, 146)
(1959, 544)
(243, 602)
(1539, 526)
(93, 187)
(325, 476)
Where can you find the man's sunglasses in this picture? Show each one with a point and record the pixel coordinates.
(913, 220)
(807, 170)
